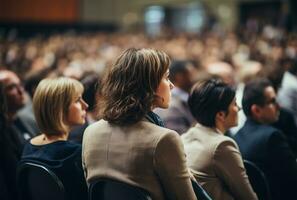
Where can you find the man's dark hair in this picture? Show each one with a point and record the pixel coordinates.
(176, 67)
(91, 84)
(207, 98)
(254, 94)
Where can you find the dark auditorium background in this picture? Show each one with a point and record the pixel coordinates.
(29, 16)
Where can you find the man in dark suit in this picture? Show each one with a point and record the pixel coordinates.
(21, 126)
(265, 145)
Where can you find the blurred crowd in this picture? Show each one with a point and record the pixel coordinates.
(73, 55)
(235, 57)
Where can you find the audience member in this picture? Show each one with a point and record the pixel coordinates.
(90, 83)
(129, 143)
(21, 126)
(178, 116)
(224, 70)
(265, 145)
(286, 121)
(214, 158)
(58, 106)
(9, 155)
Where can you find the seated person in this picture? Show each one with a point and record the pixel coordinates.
(214, 158)
(265, 145)
(129, 143)
(58, 106)
(21, 127)
(90, 83)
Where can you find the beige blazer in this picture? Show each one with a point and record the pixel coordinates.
(143, 154)
(217, 165)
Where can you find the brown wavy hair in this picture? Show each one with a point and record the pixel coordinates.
(128, 88)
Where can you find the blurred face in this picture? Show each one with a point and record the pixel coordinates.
(13, 90)
(269, 112)
(77, 112)
(190, 77)
(163, 92)
(231, 117)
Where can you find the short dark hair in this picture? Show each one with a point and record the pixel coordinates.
(176, 67)
(207, 98)
(253, 93)
(128, 89)
(91, 83)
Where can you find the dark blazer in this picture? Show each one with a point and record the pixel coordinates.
(64, 159)
(268, 148)
(287, 125)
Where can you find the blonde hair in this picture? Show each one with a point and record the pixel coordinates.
(51, 102)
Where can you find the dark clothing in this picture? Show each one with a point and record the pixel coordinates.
(64, 159)
(24, 127)
(286, 123)
(268, 148)
(10, 153)
(76, 135)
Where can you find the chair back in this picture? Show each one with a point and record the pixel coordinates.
(258, 180)
(107, 189)
(200, 193)
(36, 182)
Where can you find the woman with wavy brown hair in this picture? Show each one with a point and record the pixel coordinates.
(129, 144)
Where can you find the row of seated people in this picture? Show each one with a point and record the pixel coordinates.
(130, 143)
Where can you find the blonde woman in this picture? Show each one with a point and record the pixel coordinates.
(129, 144)
(58, 107)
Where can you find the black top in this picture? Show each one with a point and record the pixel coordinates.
(64, 159)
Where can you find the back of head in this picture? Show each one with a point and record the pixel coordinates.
(222, 70)
(51, 101)
(128, 89)
(90, 83)
(177, 67)
(182, 74)
(254, 94)
(207, 98)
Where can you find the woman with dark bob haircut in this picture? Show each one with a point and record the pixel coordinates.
(129, 144)
(214, 158)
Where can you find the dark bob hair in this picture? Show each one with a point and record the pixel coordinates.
(207, 98)
(128, 88)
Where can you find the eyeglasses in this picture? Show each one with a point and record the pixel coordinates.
(271, 101)
(238, 107)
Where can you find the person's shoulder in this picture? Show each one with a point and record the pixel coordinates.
(96, 126)
(224, 142)
(155, 128)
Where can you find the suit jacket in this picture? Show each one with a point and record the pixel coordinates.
(178, 116)
(143, 155)
(287, 125)
(217, 165)
(268, 148)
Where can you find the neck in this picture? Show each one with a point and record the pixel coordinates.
(221, 128)
(52, 138)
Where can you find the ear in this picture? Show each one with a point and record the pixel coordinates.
(255, 110)
(220, 116)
